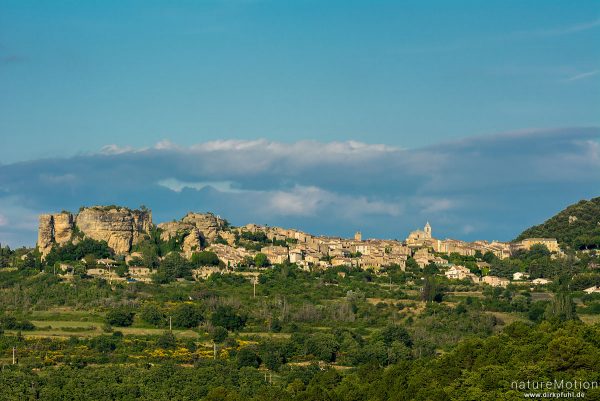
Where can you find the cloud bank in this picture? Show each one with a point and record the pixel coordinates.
(489, 187)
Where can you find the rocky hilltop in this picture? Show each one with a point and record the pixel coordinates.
(54, 229)
(123, 228)
(120, 227)
(196, 229)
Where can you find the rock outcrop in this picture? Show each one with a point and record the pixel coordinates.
(191, 238)
(195, 230)
(122, 228)
(207, 223)
(119, 227)
(54, 229)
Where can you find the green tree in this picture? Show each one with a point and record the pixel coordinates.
(187, 315)
(431, 291)
(151, 313)
(166, 340)
(226, 316)
(205, 258)
(219, 334)
(247, 357)
(121, 317)
(173, 266)
(393, 333)
(261, 260)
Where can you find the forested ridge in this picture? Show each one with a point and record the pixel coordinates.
(576, 227)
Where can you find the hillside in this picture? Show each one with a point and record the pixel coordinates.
(576, 227)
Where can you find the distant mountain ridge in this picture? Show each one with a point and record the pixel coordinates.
(576, 227)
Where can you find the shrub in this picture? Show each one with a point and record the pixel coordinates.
(120, 317)
(187, 315)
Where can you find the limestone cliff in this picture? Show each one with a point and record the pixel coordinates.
(207, 223)
(195, 229)
(54, 229)
(119, 227)
(122, 228)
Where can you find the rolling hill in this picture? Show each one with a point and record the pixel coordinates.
(576, 227)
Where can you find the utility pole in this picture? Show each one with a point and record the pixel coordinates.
(14, 352)
(254, 282)
(170, 324)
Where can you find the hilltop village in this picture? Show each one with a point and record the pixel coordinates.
(205, 236)
(199, 309)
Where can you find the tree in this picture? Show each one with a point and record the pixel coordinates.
(431, 290)
(562, 308)
(412, 265)
(323, 346)
(219, 334)
(173, 266)
(151, 313)
(120, 317)
(104, 344)
(393, 333)
(261, 260)
(205, 258)
(247, 357)
(489, 257)
(227, 317)
(187, 315)
(166, 340)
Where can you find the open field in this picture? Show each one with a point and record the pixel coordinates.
(66, 328)
(590, 319)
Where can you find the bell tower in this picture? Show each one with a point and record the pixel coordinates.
(427, 230)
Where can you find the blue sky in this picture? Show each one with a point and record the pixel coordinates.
(146, 83)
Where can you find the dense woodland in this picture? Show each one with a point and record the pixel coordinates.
(336, 334)
(576, 227)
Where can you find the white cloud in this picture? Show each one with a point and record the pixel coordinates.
(574, 28)
(583, 75)
(3, 220)
(177, 186)
(436, 205)
(336, 186)
(115, 149)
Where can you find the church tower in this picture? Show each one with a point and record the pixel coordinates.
(427, 230)
(358, 236)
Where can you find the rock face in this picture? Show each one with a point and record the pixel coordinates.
(192, 237)
(119, 227)
(122, 227)
(196, 229)
(207, 223)
(54, 229)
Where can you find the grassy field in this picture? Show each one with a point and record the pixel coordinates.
(590, 319)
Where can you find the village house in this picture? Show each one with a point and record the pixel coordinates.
(520, 276)
(276, 254)
(229, 255)
(495, 281)
(457, 273)
(592, 290)
(204, 272)
(528, 243)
